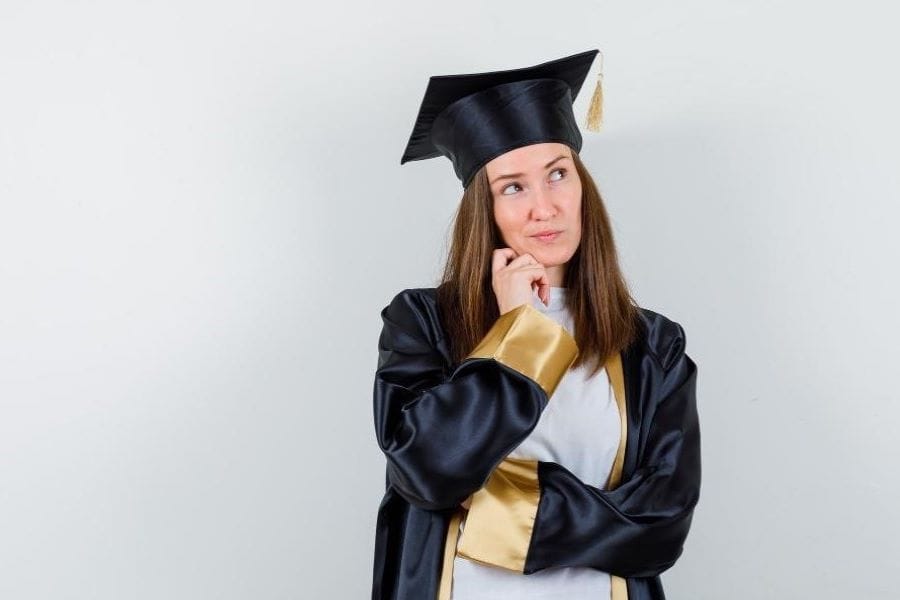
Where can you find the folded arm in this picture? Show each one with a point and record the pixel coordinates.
(531, 515)
(444, 430)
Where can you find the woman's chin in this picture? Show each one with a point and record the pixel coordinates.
(549, 257)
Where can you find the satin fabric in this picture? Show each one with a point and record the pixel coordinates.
(484, 125)
(473, 415)
(532, 343)
(472, 118)
(442, 429)
(512, 489)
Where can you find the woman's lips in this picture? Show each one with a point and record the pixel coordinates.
(546, 238)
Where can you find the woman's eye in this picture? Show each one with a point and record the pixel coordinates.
(561, 171)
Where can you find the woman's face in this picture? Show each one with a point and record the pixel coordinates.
(537, 189)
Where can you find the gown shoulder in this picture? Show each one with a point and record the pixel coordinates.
(663, 337)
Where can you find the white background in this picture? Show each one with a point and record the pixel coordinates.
(202, 213)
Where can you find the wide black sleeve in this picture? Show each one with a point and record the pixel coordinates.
(442, 429)
(532, 515)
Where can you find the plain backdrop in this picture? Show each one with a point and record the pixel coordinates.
(202, 213)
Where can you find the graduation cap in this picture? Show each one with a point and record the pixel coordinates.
(473, 118)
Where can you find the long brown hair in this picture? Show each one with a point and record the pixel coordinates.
(604, 313)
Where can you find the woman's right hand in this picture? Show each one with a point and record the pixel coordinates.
(514, 278)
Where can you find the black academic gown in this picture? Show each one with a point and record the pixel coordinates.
(446, 429)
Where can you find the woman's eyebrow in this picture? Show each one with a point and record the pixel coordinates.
(561, 156)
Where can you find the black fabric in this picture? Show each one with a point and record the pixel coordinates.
(638, 528)
(444, 429)
(472, 118)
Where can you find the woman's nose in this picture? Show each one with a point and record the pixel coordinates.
(543, 204)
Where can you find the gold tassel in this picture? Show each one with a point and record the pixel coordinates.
(595, 110)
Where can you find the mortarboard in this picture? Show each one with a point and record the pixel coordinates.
(472, 118)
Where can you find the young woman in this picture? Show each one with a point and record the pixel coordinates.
(540, 428)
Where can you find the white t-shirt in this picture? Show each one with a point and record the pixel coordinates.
(580, 430)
